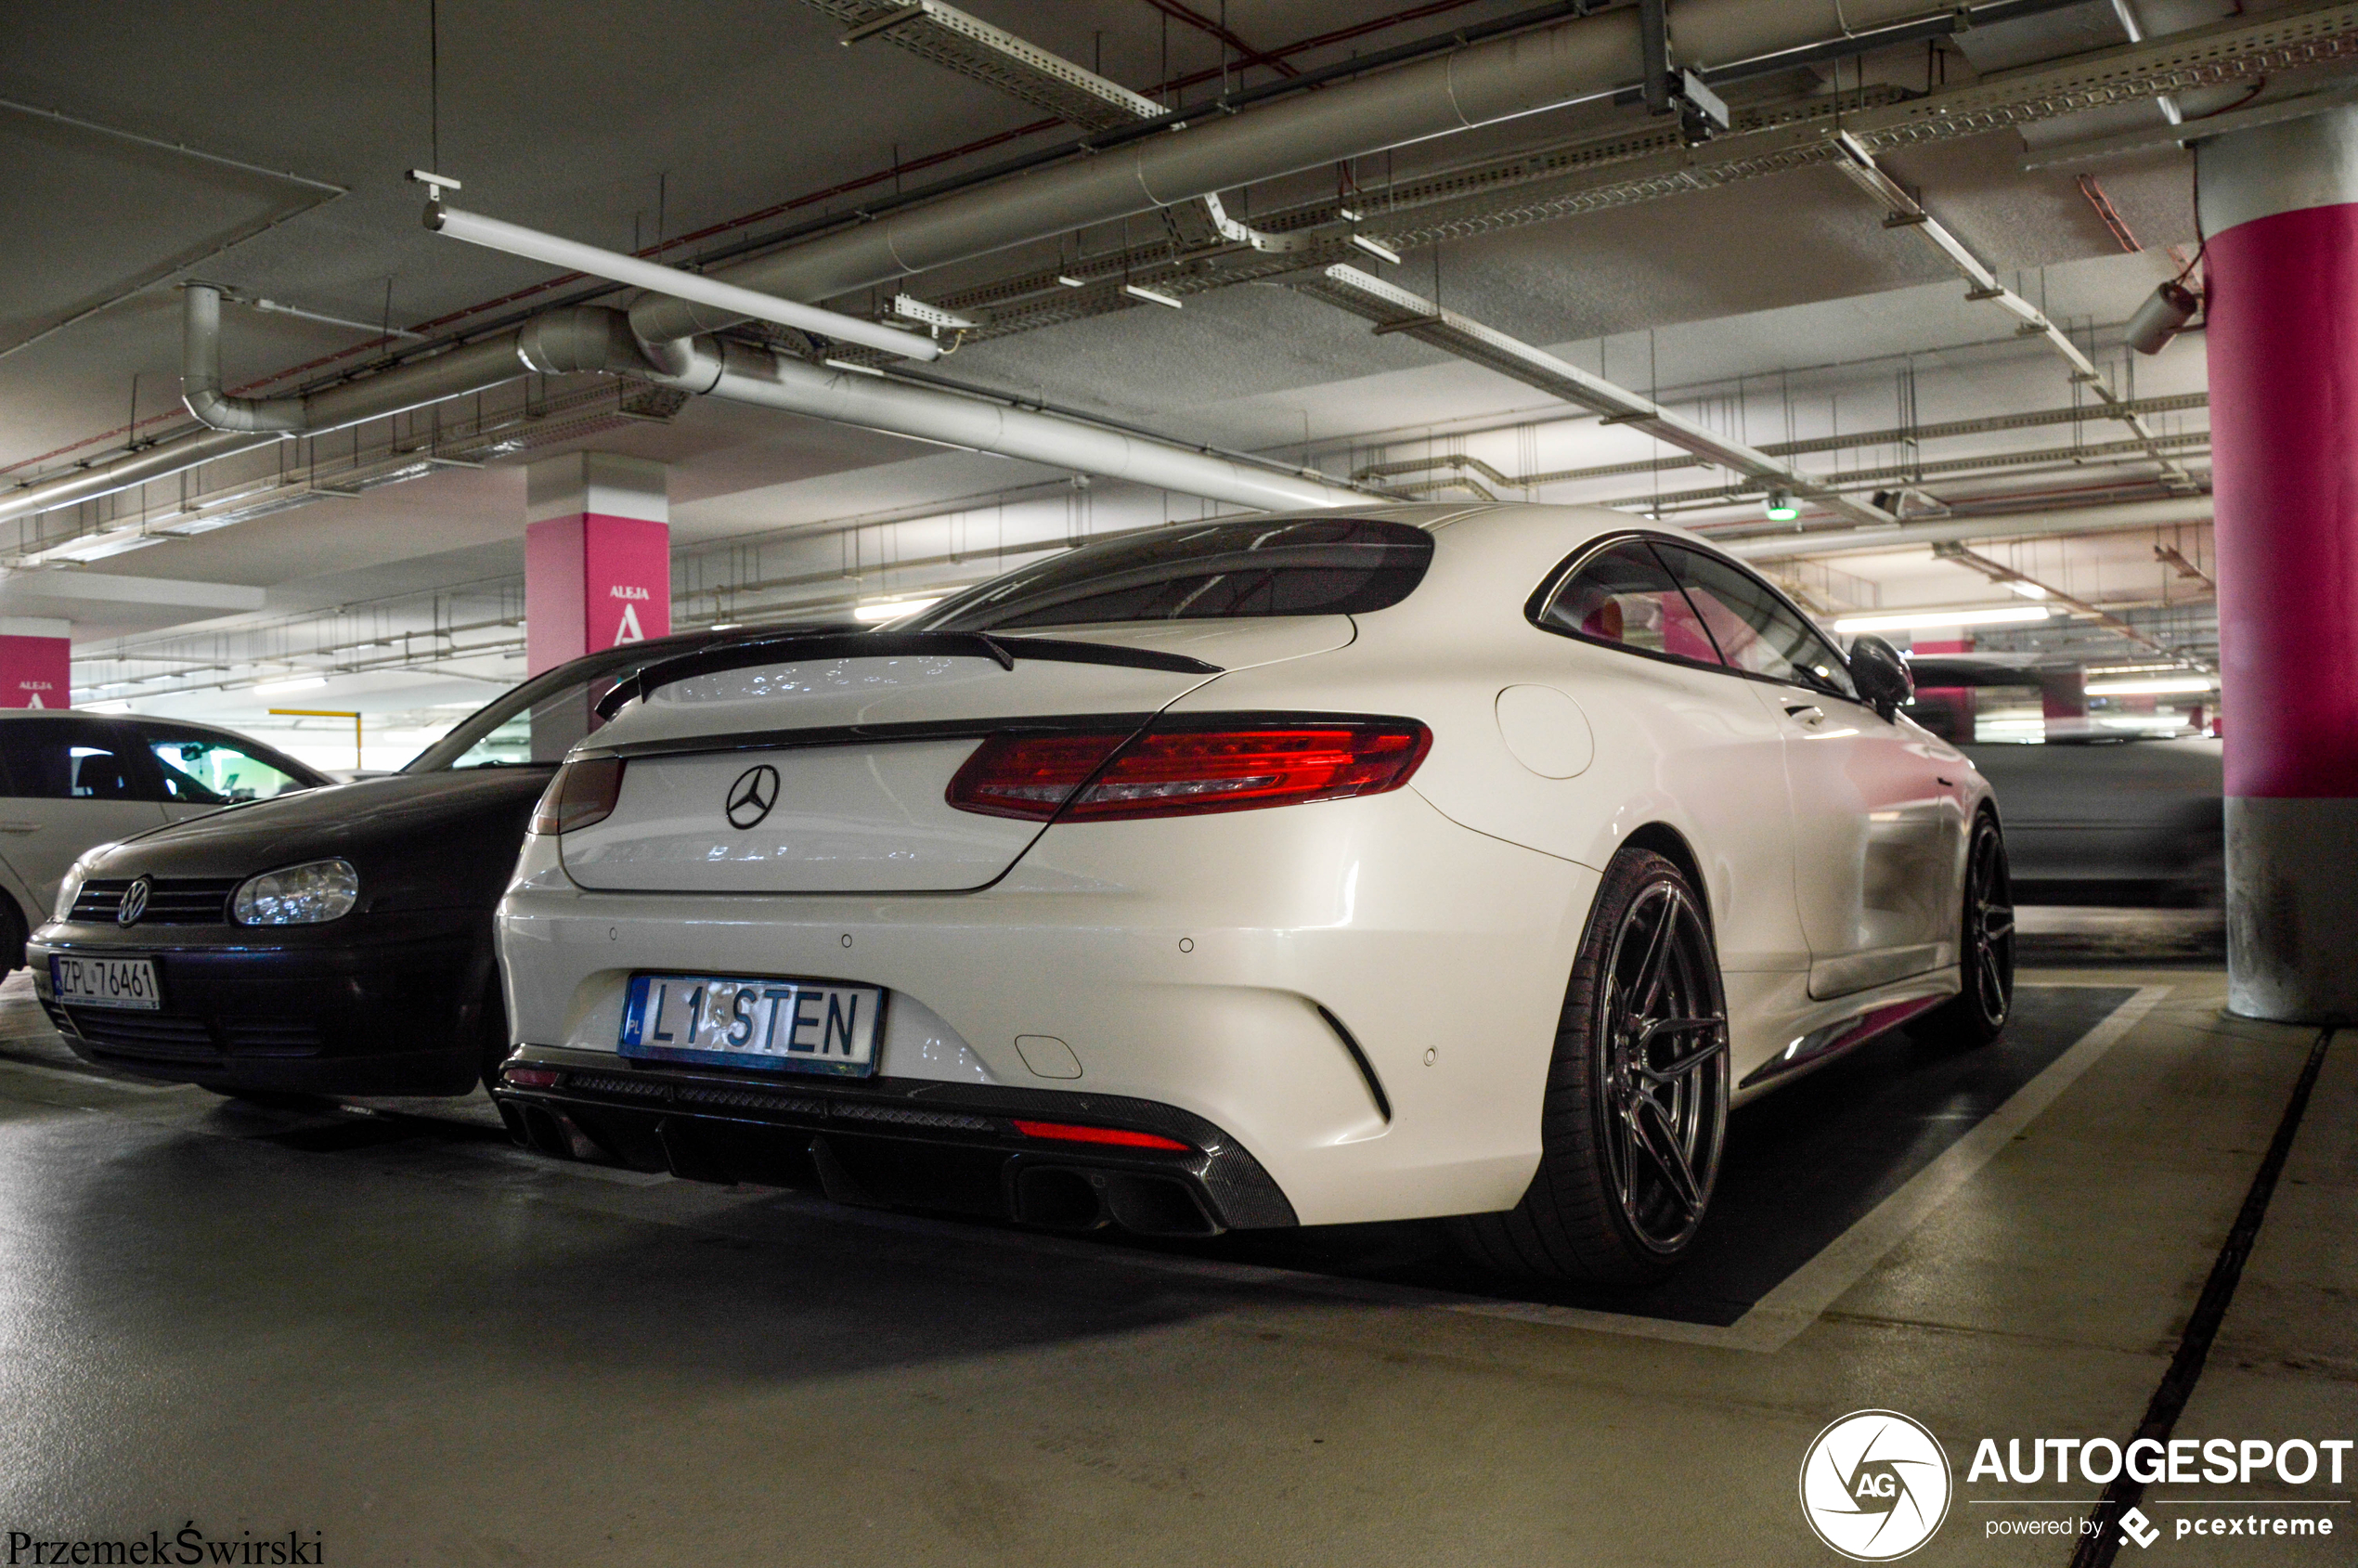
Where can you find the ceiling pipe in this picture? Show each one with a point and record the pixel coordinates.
(587, 337)
(200, 374)
(468, 368)
(1577, 60)
(2122, 515)
(516, 240)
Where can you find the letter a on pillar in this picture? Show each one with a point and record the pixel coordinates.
(597, 565)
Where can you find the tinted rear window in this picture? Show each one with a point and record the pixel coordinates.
(1204, 571)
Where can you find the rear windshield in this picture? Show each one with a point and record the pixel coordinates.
(1203, 571)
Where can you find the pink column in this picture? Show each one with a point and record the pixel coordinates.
(36, 664)
(597, 555)
(2280, 210)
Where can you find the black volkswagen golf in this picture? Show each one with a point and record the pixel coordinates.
(333, 941)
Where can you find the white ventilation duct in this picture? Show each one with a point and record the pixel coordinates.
(588, 338)
(1576, 60)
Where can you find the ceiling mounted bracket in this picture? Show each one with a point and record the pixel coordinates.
(1668, 88)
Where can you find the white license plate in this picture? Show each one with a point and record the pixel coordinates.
(791, 1026)
(106, 982)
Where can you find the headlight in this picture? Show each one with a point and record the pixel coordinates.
(300, 895)
(71, 889)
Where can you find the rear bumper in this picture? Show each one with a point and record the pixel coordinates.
(393, 1012)
(898, 1143)
(1361, 993)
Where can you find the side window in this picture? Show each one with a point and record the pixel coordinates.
(201, 771)
(72, 759)
(1623, 596)
(1757, 631)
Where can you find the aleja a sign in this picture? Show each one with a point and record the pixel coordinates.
(36, 671)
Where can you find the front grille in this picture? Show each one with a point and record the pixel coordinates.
(270, 1037)
(161, 1036)
(172, 900)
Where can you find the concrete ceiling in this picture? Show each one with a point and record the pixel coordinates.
(607, 121)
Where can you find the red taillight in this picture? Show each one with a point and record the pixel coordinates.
(582, 793)
(1028, 775)
(1184, 772)
(531, 1076)
(1070, 1133)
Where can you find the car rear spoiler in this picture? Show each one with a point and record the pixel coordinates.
(1002, 650)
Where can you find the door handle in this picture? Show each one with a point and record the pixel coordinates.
(20, 827)
(1807, 713)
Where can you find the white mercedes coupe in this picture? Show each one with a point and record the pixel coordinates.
(1426, 861)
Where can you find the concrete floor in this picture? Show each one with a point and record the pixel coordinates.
(429, 1348)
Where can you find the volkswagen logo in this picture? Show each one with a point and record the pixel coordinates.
(749, 799)
(135, 902)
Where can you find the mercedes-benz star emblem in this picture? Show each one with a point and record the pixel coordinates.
(749, 798)
(134, 905)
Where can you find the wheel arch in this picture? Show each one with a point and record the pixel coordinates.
(1671, 845)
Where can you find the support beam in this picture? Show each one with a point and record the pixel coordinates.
(1998, 572)
(1901, 210)
(2061, 522)
(1395, 309)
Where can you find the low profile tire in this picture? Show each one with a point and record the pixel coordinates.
(1637, 1096)
(1977, 1014)
(13, 933)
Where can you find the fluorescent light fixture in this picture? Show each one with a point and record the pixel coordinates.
(724, 626)
(2155, 686)
(616, 268)
(877, 612)
(299, 683)
(1348, 214)
(2028, 590)
(1070, 281)
(1381, 253)
(2012, 615)
(95, 547)
(1779, 506)
(2130, 668)
(207, 522)
(400, 474)
(1152, 297)
(848, 365)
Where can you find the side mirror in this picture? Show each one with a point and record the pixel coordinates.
(1881, 675)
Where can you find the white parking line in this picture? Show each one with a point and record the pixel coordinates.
(1778, 1317)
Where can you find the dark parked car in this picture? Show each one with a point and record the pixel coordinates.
(336, 940)
(2093, 815)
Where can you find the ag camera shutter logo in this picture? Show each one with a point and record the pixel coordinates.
(1876, 1486)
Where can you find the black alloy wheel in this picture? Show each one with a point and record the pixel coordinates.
(1637, 1097)
(1977, 1014)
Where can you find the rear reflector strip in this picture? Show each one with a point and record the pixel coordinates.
(1066, 1132)
(1176, 772)
(531, 1076)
